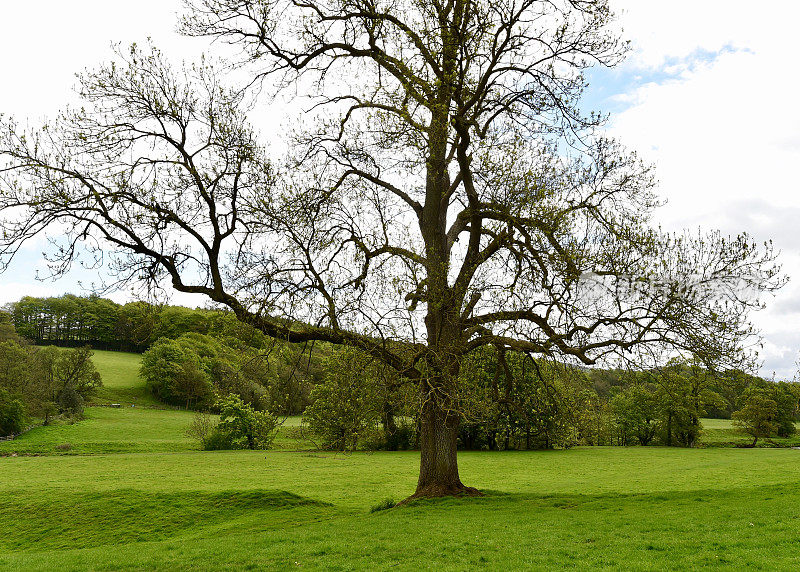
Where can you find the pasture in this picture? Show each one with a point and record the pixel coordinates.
(131, 493)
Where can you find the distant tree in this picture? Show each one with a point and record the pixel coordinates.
(70, 375)
(787, 398)
(48, 380)
(75, 370)
(636, 413)
(730, 385)
(456, 198)
(758, 416)
(43, 386)
(14, 366)
(347, 404)
(514, 401)
(174, 371)
(12, 414)
(684, 393)
(7, 330)
(175, 321)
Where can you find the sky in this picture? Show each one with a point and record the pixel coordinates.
(708, 95)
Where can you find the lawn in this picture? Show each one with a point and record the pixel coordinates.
(132, 492)
(722, 433)
(121, 382)
(589, 507)
(109, 430)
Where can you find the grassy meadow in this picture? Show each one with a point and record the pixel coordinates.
(132, 492)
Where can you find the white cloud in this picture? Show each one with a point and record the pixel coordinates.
(722, 125)
(44, 44)
(662, 30)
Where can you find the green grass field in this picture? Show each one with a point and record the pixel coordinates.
(635, 508)
(722, 433)
(131, 493)
(121, 383)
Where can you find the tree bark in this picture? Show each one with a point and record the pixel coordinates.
(438, 468)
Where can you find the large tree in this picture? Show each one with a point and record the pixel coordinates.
(445, 192)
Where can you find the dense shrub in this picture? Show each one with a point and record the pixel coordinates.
(239, 427)
(194, 369)
(12, 414)
(173, 371)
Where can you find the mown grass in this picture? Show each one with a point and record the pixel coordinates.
(121, 382)
(145, 500)
(109, 430)
(722, 433)
(635, 508)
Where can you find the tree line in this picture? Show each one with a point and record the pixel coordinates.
(71, 320)
(196, 358)
(521, 403)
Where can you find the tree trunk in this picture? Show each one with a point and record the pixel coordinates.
(438, 467)
(669, 429)
(389, 425)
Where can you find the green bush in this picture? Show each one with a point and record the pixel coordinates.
(218, 441)
(175, 372)
(12, 414)
(239, 427)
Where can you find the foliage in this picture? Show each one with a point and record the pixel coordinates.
(512, 401)
(635, 412)
(768, 410)
(12, 414)
(172, 371)
(787, 398)
(193, 369)
(7, 330)
(70, 320)
(346, 405)
(49, 381)
(239, 427)
(757, 417)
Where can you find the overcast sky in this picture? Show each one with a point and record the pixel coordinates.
(708, 94)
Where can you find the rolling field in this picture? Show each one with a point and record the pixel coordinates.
(634, 508)
(143, 499)
(121, 383)
(141, 424)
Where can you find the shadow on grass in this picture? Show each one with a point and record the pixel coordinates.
(495, 499)
(66, 519)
